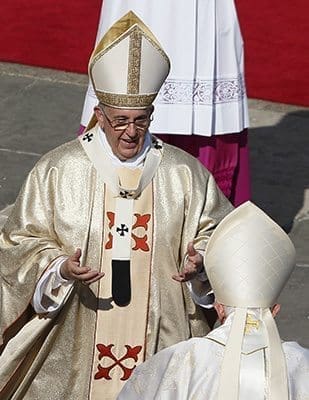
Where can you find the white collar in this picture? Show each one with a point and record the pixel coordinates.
(97, 153)
(255, 337)
(134, 162)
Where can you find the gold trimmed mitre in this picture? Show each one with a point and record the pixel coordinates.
(128, 66)
(248, 258)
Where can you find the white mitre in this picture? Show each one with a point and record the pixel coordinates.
(128, 66)
(248, 260)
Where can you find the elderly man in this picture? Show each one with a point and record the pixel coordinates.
(202, 106)
(100, 227)
(243, 358)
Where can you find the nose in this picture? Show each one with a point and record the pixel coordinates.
(131, 129)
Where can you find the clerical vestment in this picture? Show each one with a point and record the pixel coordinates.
(190, 370)
(70, 199)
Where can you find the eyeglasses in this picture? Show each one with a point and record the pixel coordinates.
(141, 123)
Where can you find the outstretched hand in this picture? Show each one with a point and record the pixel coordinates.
(193, 266)
(72, 270)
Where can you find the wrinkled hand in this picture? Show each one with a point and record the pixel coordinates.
(193, 266)
(71, 270)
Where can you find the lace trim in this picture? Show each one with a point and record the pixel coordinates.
(202, 92)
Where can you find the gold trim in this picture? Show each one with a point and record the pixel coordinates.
(135, 101)
(134, 69)
(128, 26)
(251, 324)
(134, 30)
(120, 27)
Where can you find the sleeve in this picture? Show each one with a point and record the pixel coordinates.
(214, 206)
(200, 289)
(208, 206)
(51, 290)
(28, 244)
(203, 297)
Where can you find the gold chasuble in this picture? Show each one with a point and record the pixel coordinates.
(89, 348)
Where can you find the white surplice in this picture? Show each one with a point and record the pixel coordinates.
(205, 91)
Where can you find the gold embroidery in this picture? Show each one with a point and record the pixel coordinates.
(251, 324)
(126, 100)
(101, 50)
(132, 99)
(134, 62)
(126, 24)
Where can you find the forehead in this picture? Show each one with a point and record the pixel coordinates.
(126, 113)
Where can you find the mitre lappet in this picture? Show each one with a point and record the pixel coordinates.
(248, 260)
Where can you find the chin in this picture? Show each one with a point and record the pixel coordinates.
(126, 155)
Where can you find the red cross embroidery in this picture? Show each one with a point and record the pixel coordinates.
(141, 222)
(106, 351)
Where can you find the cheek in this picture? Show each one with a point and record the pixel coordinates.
(117, 140)
(142, 137)
(112, 140)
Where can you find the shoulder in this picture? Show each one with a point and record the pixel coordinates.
(175, 159)
(297, 357)
(178, 156)
(68, 155)
(181, 357)
(294, 347)
(183, 173)
(195, 347)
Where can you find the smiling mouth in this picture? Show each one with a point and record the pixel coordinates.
(130, 143)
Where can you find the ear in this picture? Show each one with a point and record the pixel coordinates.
(275, 309)
(220, 311)
(99, 115)
(151, 109)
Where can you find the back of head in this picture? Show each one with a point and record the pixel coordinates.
(248, 260)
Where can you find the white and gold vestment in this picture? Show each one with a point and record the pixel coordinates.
(64, 204)
(190, 370)
(134, 224)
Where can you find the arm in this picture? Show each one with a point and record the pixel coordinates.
(28, 244)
